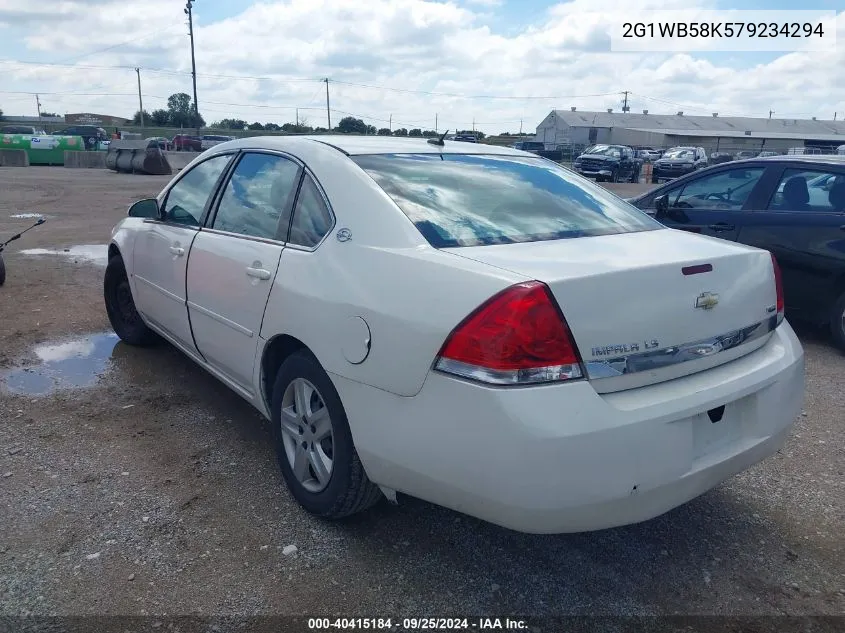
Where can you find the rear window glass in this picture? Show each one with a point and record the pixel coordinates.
(473, 200)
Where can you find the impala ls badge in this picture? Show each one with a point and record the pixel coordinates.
(707, 301)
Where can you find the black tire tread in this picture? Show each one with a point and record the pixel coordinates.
(836, 328)
(359, 492)
(139, 334)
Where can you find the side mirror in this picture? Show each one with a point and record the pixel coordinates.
(661, 205)
(145, 209)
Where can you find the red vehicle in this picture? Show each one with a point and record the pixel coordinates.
(186, 143)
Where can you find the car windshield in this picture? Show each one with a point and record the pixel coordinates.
(605, 150)
(679, 153)
(472, 200)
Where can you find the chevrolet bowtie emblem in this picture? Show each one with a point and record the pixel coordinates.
(707, 301)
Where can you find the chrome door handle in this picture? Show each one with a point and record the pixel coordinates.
(258, 273)
(177, 250)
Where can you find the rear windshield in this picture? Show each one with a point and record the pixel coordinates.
(473, 200)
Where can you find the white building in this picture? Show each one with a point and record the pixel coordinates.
(565, 127)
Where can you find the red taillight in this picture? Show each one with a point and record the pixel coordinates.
(517, 337)
(779, 289)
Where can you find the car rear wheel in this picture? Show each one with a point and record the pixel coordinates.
(314, 445)
(120, 306)
(2, 271)
(837, 322)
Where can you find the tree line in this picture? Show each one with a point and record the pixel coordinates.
(180, 113)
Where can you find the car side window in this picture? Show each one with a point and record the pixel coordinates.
(727, 189)
(258, 195)
(186, 200)
(311, 218)
(815, 190)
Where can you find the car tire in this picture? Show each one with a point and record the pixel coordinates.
(837, 322)
(344, 488)
(2, 271)
(655, 180)
(120, 306)
(635, 176)
(614, 176)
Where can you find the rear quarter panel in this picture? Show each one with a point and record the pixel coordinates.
(410, 298)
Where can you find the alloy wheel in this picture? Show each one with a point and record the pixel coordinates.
(307, 435)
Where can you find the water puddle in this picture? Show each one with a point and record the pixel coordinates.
(69, 364)
(88, 253)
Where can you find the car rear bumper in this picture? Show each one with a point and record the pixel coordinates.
(563, 458)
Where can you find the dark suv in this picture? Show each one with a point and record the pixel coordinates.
(90, 133)
(613, 163)
(678, 161)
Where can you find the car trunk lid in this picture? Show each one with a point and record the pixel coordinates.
(650, 306)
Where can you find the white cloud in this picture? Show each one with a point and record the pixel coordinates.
(439, 47)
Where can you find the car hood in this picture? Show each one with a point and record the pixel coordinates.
(603, 157)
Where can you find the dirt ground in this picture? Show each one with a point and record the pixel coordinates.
(131, 482)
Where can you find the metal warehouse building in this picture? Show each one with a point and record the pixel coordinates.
(574, 127)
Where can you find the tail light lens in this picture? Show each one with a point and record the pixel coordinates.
(517, 337)
(779, 288)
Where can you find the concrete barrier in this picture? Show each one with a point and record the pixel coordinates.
(85, 160)
(14, 158)
(179, 160)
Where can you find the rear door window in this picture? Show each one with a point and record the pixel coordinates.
(471, 200)
(803, 190)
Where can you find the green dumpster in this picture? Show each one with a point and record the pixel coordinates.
(43, 150)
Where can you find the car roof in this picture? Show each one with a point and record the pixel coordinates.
(806, 158)
(360, 145)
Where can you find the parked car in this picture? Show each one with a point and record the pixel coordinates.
(767, 153)
(792, 206)
(162, 143)
(613, 163)
(466, 138)
(208, 141)
(22, 129)
(461, 323)
(678, 161)
(649, 154)
(840, 151)
(187, 143)
(745, 154)
(91, 134)
(717, 158)
(535, 147)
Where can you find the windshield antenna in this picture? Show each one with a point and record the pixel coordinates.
(439, 140)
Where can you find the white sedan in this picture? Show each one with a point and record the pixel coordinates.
(468, 324)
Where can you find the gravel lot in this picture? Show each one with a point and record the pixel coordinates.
(153, 490)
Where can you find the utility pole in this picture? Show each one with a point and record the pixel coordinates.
(328, 108)
(520, 127)
(435, 121)
(38, 105)
(473, 125)
(771, 112)
(625, 107)
(188, 7)
(140, 100)
(297, 118)
(834, 115)
(390, 123)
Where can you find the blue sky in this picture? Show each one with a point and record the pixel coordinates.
(525, 50)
